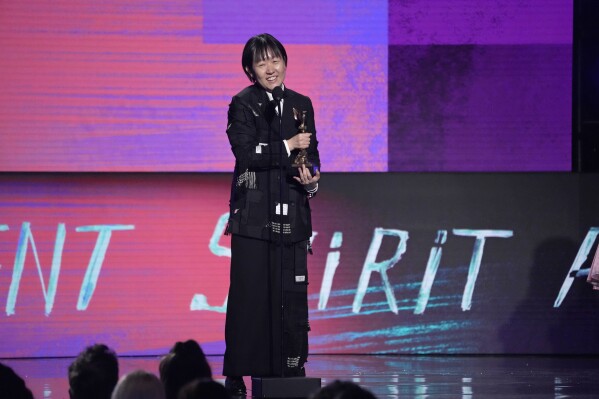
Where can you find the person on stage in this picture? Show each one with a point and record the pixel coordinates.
(269, 220)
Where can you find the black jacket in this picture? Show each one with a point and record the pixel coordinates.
(260, 158)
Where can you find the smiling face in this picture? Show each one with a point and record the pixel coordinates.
(264, 61)
(269, 72)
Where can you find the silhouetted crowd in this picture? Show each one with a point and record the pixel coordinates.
(184, 374)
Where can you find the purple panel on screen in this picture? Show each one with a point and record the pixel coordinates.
(480, 22)
(125, 86)
(480, 108)
(302, 22)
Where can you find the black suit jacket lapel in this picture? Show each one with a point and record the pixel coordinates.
(261, 101)
(267, 111)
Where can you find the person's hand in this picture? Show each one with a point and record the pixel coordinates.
(306, 179)
(300, 141)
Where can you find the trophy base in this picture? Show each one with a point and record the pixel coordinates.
(299, 165)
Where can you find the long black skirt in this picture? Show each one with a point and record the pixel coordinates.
(256, 321)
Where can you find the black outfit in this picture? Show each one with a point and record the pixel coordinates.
(253, 324)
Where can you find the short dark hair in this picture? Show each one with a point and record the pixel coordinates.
(204, 388)
(259, 48)
(94, 373)
(342, 390)
(139, 384)
(13, 386)
(184, 363)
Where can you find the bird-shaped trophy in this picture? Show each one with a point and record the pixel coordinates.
(302, 156)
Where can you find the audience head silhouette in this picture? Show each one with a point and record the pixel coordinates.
(94, 373)
(204, 388)
(184, 363)
(139, 385)
(11, 385)
(343, 390)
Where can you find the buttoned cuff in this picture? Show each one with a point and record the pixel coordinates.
(312, 192)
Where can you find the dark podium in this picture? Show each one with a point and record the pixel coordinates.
(284, 387)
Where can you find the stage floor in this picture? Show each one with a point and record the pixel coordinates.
(388, 376)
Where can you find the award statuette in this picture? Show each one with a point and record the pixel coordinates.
(302, 157)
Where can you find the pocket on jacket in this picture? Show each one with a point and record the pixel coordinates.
(256, 211)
